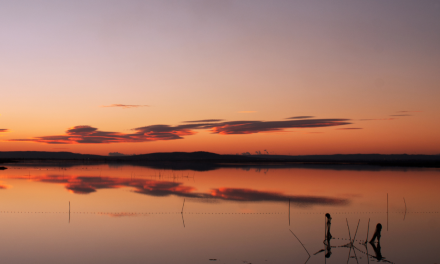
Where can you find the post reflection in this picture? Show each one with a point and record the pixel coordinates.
(328, 237)
(377, 249)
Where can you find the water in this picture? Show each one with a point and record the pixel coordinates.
(135, 214)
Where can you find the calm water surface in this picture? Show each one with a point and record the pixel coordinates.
(134, 214)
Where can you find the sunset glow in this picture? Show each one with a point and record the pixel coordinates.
(291, 77)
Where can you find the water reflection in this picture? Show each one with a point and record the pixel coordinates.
(377, 250)
(90, 184)
(255, 195)
(141, 210)
(328, 237)
(352, 245)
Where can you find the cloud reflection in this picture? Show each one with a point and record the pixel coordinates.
(87, 185)
(254, 195)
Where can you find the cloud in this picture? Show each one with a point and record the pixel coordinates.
(90, 135)
(405, 113)
(246, 112)
(204, 121)
(81, 130)
(349, 128)
(378, 119)
(125, 106)
(3, 130)
(300, 117)
(250, 127)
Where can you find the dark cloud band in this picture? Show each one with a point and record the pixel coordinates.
(203, 121)
(91, 135)
(300, 117)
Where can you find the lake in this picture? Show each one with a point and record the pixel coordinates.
(114, 213)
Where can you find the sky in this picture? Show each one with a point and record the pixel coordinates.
(280, 77)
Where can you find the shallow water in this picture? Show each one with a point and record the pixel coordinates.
(134, 214)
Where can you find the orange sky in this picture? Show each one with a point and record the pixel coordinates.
(126, 67)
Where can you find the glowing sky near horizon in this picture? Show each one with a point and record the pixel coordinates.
(289, 77)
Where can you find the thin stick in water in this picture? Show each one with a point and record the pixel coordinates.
(348, 228)
(183, 206)
(405, 208)
(300, 242)
(349, 244)
(183, 220)
(289, 211)
(354, 238)
(368, 230)
(387, 211)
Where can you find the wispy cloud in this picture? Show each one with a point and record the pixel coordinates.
(300, 117)
(378, 119)
(246, 112)
(124, 106)
(3, 130)
(90, 135)
(204, 121)
(251, 127)
(405, 113)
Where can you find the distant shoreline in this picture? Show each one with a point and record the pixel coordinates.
(178, 159)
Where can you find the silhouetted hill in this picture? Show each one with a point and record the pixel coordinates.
(351, 157)
(402, 160)
(188, 156)
(43, 155)
(162, 156)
